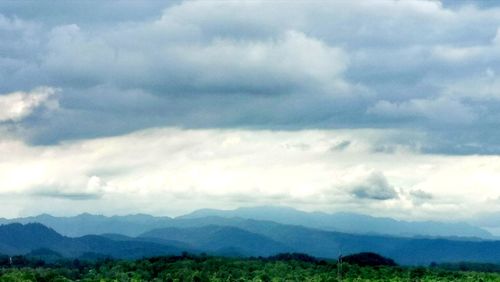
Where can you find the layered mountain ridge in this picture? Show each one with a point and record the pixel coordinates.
(243, 233)
(134, 225)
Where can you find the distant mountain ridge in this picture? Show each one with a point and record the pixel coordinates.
(348, 222)
(221, 239)
(87, 224)
(134, 225)
(241, 237)
(18, 239)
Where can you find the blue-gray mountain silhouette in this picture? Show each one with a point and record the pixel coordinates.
(134, 225)
(243, 237)
(18, 239)
(220, 239)
(348, 222)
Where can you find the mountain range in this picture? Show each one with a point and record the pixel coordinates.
(18, 239)
(134, 225)
(234, 233)
(348, 222)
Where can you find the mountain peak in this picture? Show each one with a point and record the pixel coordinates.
(345, 222)
(27, 234)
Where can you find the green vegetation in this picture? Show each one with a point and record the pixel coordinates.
(285, 267)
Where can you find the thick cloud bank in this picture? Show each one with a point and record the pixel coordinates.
(384, 107)
(424, 66)
(171, 171)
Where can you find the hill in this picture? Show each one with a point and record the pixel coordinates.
(348, 222)
(134, 225)
(221, 240)
(86, 224)
(18, 239)
(329, 244)
(242, 237)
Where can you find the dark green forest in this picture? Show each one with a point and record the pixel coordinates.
(284, 267)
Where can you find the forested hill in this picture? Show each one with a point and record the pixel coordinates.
(18, 239)
(244, 238)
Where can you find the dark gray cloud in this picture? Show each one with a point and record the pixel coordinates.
(60, 194)
(419, 197)
(341, 146)
(89, 13)
(425, 66)
(374, 187)
(462, 3)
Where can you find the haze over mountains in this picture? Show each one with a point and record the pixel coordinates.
(261, 231)
(348, 222)
(133, 225)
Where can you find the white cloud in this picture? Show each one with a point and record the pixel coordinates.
(291, 62)
(482, 87)
(430, 71)
(171, 171)
(18, 105)
(292, 59)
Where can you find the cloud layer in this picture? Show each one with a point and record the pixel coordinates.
(172, 170)
(373, 106)
(259, 64)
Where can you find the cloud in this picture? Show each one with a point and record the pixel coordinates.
(289, 63)
(317, 105)
(86, 12)
(422, 195)
(374, 187)
(258, 64)
(342, 145)
(430, 109)
(69, 189)
(19, 105)
(419, 197)
(228, 168)
(49, 193)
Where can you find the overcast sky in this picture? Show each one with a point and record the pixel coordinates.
(390, 108)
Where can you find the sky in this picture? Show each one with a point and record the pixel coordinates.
(389, 108)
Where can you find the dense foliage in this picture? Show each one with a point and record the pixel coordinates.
(368, 259)
(286, 267)
(247, 238)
